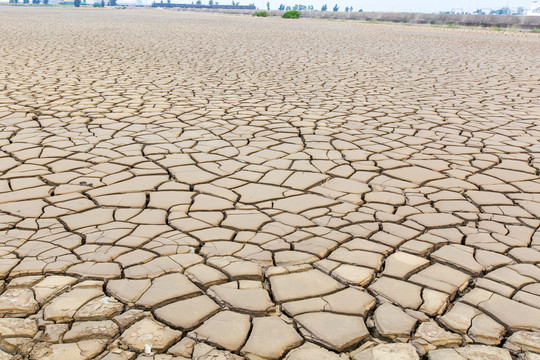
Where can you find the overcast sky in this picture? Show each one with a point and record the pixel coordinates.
(396, 5)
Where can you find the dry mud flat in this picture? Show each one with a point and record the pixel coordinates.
(186, 186)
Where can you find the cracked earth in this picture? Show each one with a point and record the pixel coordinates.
(187, 186)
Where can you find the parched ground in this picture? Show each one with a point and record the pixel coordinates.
(192, 186)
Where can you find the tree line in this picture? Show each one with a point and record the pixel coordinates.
(299, 7)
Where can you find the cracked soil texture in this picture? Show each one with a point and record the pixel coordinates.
(187, 186)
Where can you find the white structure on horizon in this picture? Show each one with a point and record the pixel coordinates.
(535, 9)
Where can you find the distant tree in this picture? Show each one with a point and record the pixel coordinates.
(102, 3)
(112, 2)
(26, 1)
(324, 7)
(281, 7)
(520, 10)
(268, 5)
(168, 2)
(198, 2)
(288, 8)
(336, 7)
(211, 2)
(360, 10)
(350, 9)
(77, 3)
(310, 7)
(346, 9)
(46, 2)
(295, 7)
